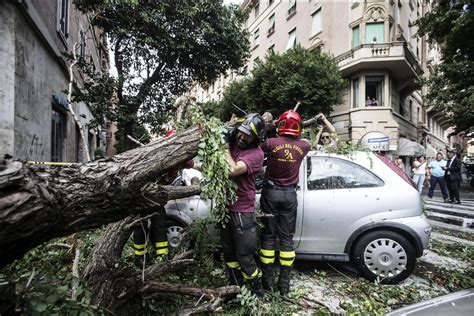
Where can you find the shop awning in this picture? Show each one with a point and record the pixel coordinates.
(430, 151)
(408, 147)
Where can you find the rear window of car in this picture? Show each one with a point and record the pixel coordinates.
(328, 173)
(395, 168)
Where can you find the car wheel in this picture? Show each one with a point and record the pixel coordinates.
(174, 232)
(384, 255)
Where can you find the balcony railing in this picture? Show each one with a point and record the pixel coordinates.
(384, 55)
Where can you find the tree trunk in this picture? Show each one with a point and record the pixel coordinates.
(38, 203)
(119, 288)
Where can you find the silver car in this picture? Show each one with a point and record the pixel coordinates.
(359, 208)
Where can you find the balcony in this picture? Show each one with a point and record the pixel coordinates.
(393, 56)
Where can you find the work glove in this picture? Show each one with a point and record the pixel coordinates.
(227, 135)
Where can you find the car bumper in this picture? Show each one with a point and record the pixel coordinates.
(419, 225)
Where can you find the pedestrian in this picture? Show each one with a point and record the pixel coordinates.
(327, 134)
(452, 176)
(400, 164)
(270, 129)
(419, 172)
(368, 102)
(239, 236)
(375, 102)
(435, 175)
(285, 154)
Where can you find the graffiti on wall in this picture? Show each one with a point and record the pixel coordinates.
(36, 148)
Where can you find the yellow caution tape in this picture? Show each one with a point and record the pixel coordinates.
(50, 163)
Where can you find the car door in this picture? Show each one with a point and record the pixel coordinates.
(337, 194)
(300, 191)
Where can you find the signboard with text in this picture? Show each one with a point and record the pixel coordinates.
(375, 141)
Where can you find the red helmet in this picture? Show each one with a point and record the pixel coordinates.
(170, 133)
(290, 123)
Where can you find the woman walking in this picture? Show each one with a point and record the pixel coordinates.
(419, 172)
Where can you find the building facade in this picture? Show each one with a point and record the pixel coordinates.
(374, 45)
(36, 122)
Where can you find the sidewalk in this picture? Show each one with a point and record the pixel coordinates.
(466, 192)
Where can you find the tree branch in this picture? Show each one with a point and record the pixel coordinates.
(52, 202)
(210, 294)
(146, 86)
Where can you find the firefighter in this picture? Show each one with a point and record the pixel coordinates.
(284, 156)
(154, 230)
(239, 236)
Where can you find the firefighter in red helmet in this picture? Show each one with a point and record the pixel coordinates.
(284, 156)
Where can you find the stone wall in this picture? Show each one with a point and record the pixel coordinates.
(33, 71)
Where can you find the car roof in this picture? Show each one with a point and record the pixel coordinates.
(364, 158)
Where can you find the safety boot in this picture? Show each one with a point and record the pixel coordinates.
(235, 276)
(256, 286)
(268, 277)
(284, 280)
(138, 260)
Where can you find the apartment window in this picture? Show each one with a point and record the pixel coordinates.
(291, 39)
(374, 33)
(401, 109)
(374, 90)
(316, 23)
(271, 48)
(410, 115)
(270, 2)
(271, 24)
(355, 92)
(257, 9)
(63, 18)
(355, 36)
(291, 7)
(82, 47)
(418, 117)
(90, 144)
(58, 135)
(77, 142)
(255, 37)
(255, 62)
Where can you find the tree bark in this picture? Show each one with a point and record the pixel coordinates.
(119, 288)
(40, 203)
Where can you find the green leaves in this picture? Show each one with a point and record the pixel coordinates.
(451, 83)
(217, 184)
(280, 81)
(160, 48)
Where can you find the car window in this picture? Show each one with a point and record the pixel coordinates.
(325, 173)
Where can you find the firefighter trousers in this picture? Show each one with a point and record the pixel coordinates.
(154, 231)
(282, 203)
(239, 243)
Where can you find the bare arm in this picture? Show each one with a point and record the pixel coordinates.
(328, 124)
(318, 136)
(236, 168)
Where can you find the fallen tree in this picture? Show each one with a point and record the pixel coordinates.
(121, 289)
(39, 203)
